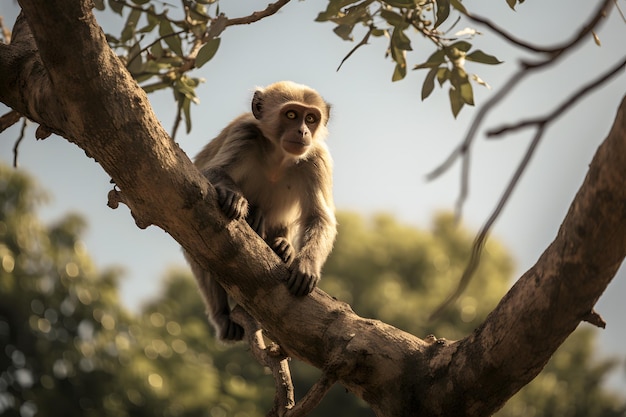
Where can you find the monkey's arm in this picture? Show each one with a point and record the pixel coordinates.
(318, 227)
(319, 231)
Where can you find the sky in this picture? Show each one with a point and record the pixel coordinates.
(384, 139)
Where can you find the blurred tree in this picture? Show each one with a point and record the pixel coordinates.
(475, 376)
(70, 349)
(390, 271)
(67, 344)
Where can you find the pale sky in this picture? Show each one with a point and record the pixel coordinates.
(383, 138)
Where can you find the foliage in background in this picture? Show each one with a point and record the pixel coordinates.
(397, 20)
(68, 348)
(161, 43)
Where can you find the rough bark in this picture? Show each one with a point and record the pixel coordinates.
(65, 77)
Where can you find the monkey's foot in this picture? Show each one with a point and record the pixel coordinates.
(228, 330)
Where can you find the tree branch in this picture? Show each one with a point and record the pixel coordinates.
(541, 124)
(102, 110)
(600, 13)
(463, 151)
(271, 9)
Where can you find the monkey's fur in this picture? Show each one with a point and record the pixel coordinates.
(272, 167)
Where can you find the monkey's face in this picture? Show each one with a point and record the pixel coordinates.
(298, 126)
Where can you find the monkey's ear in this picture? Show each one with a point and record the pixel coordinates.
(257, 104)
(328, 107)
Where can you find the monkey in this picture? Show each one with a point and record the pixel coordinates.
(272, 167)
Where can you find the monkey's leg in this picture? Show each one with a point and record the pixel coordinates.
(219, 312)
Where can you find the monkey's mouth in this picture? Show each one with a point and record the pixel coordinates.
(296, 147)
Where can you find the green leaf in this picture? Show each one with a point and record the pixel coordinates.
(483, 58)
(333, 9)
(378, 32)
(172, 40)
(187, 113)
(344, 32)
(98, 4)
(153, 21)
(443, 75)
(511, 4)
(207, 52)
(400, 40)
(467, 94)
(434, 60)
(399, 56)
(401, 3)
(399, 73)
(156, 50)
(429, 83)
(458, 6)
(393, 18)
(156, 86)
(456, 102)
(116, 6)
(458, 77)
(136, 62)
(131, 25)
(443, 11)
(461, 46)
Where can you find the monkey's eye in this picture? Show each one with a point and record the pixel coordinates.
(310, 118)
(291, 114)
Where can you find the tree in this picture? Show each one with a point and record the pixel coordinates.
(394, 372)
(72, 341)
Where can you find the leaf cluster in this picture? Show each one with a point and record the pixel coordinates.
(160, 46)
(396, 20)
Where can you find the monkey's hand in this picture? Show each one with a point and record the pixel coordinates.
(302, 279)
(283, 248)
(233, 204)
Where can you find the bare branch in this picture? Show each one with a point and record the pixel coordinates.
(481, 238)
(313, 397)
(565, 105)
(353, 50)
(463, 150)
(9, 119)
(272, 357)
(18, 141)
(271, 9)
(582, 34)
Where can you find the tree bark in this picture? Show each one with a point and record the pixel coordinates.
(60, 72)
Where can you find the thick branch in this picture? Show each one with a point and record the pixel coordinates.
(548, 301)
(102, 110)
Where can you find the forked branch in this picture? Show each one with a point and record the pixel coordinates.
(463, 151)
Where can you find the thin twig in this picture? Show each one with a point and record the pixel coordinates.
(481, 238)
(584, 31)
(542, 124)
(463, 150)
(272, 357)
(313, 397)
(353, 50)
(565, 105)
(18, 141)
(271, 9)
(9, 119)
(619, 9)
